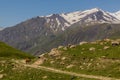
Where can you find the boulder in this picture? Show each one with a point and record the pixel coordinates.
(44, 77)
(69, 66)
(83, 42)
(101, 43)
(1, 76)
(92, 49)
(65, 48)
(54, 52)
(106, 47)
(72, 46)
(60, 47)
(93, 42)
(63, 58)
(115, 43)
(107, 40)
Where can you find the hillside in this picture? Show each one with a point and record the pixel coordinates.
(13, 67)
(42, 33)
(10, 70)
(98, 60)
(9, 52)
(94, 58)
(76, 34)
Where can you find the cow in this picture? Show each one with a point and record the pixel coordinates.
(27, 60)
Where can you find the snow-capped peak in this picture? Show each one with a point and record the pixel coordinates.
(76, 16)
(92, 10)
(92, 15)
(95, 15)
(117, 14)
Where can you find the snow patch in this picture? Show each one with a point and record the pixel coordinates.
(78, 15)
(63, 28)
(48, 20)
(75, 17)
(58, 22)
(66, 24)
(117, 15)
(86, 16)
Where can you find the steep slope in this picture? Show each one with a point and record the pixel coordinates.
(76, 34)
(91, 32)
(9, 52)
(17, 69)
(26, 34)
(56, 22)
(93, 15)
(42, 33)
(117, 14)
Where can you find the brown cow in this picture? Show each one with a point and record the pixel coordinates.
(27, 60)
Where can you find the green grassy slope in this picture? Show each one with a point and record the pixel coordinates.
(13, 71)
(96, 58)
(9, 52)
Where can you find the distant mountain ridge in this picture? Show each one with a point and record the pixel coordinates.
(42, 33)
(117, 14)
(94, 15)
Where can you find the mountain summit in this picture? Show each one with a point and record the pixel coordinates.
(95, 15)
(117, 14)
(92, 15)
(42, 33)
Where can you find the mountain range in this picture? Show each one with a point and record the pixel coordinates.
(42, 33)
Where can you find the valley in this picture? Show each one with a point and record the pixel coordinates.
(42, 33)
(98, 60)
(80, 45)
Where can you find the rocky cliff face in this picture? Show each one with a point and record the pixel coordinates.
(42, 33)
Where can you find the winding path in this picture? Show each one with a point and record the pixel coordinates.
(71, 73)
(67, 72)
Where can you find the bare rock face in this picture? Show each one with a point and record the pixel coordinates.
(35, 34)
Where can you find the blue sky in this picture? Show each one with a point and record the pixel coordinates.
(13, 12)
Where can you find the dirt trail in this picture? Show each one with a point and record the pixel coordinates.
(34, 65)
(38, 62)
(71, 73)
